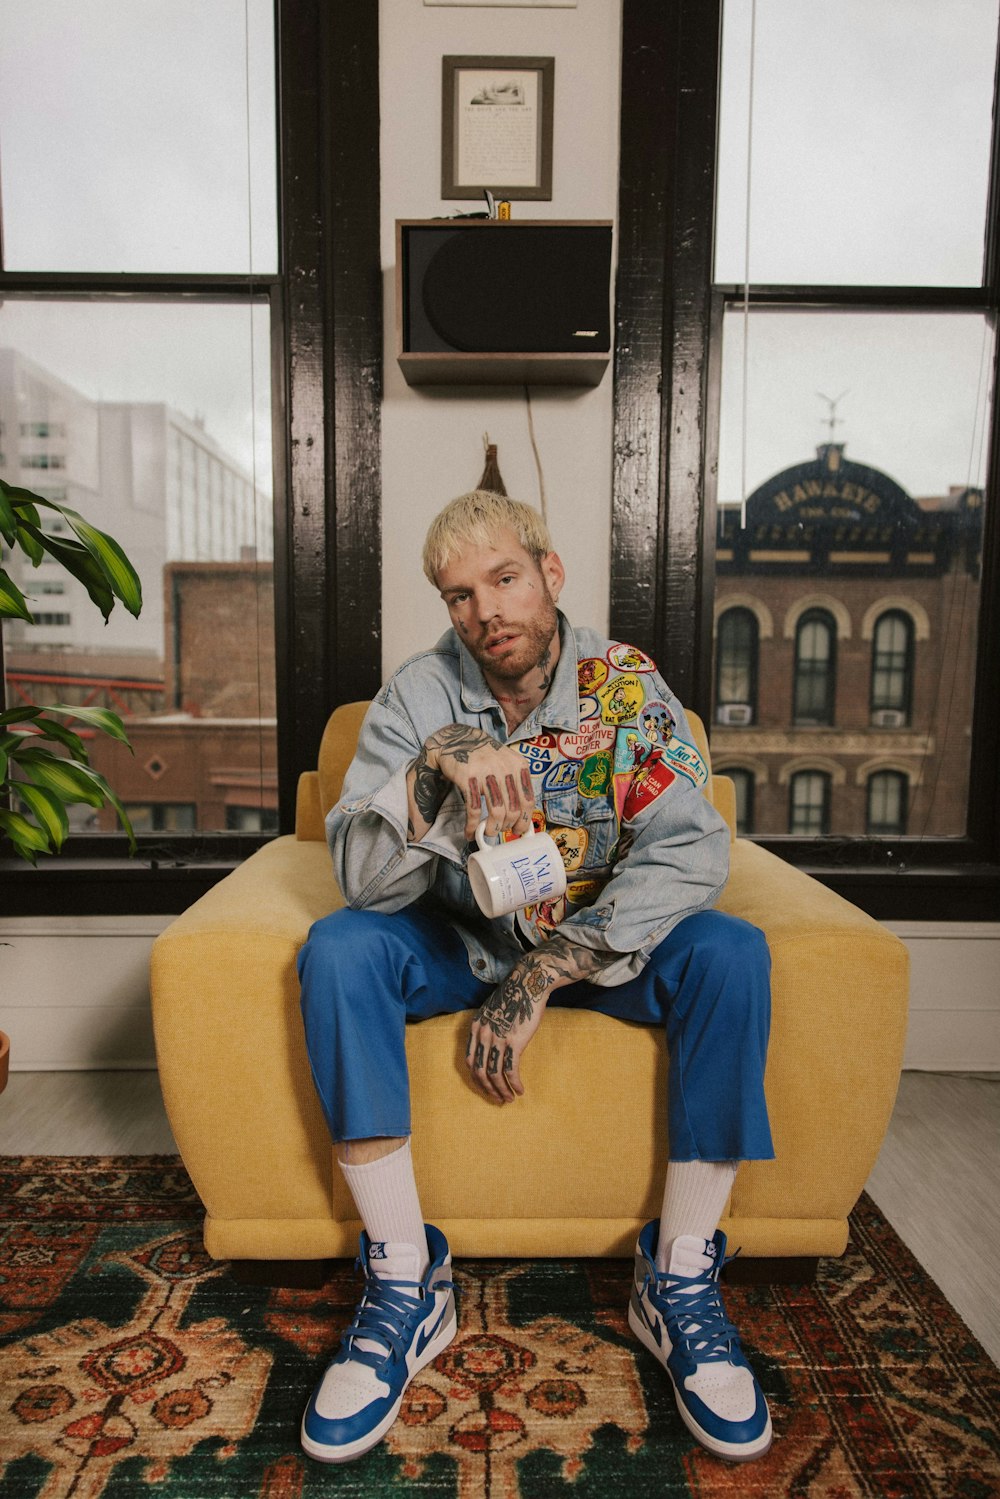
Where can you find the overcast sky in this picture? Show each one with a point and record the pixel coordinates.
(126, 142)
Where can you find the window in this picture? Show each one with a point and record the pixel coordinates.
(892, 670)
(736, 668)
(815, 668)
(107, 391)
(850, 441)
(888, 801)
(162, 817)
(743, 780)
(156, 305)
(809, 803)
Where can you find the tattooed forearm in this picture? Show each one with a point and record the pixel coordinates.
(459, 740)
(560, 962)
(429, 789)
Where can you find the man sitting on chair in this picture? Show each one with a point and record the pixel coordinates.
(515, 716)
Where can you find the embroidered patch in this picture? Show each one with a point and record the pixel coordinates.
(630, 751)
(560, 776)
(538, 822)
(595, 775)
(630, 658)
(584, 892)
(539, 752)
(686, 760)
(593, 736)
(657, 722)
(621, 699)
(650, 781)
(591, 672)
(572, 845)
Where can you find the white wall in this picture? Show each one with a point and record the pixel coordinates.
(74, 993)
(432, 440)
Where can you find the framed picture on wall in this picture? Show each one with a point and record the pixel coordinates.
(496, 127)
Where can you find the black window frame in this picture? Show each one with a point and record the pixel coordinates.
(903, 782)
(906, 706)
(753, 657)
(804, 672)
(325, 310)
(742, 775)
(669, 317)
(825, 780)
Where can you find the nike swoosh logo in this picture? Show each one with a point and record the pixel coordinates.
(426, 1335)
(654, 1327)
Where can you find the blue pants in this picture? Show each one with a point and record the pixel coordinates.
(365, 974)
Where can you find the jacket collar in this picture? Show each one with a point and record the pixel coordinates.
(560, 707)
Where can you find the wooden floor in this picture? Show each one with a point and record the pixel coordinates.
(937, 1179)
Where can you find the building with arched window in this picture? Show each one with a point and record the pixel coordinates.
(845, 653)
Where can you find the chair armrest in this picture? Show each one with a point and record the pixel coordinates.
(310, 825)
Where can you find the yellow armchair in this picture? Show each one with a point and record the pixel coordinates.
(588, 1138)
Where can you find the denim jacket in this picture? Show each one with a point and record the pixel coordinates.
(617, 784)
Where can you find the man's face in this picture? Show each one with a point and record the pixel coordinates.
(502, 604)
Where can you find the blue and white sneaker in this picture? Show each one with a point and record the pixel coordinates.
(680, 1318)
(400, 1324)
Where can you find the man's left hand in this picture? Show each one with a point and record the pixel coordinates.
(504, 1025)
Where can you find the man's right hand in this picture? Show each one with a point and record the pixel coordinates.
(483, 769)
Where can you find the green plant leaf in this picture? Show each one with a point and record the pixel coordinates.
(26, 838)
(3, 767)
(34, 549)
(20, 715)
(48, 728)
(70, 782)
(111, 796)
(47, 810)
(25, 499)
(12, 602)
(118, 570)
(76, 559)
(100, 718)
(8, 519)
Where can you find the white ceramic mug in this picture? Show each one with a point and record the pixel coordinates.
(507, 876)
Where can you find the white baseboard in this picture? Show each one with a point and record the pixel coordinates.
(75, 993)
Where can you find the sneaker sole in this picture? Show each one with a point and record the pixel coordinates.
(350, 1450)
(742, 1452)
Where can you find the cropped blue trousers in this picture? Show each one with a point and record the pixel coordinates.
(364, 974)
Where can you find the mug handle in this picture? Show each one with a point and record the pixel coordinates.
(481, 836)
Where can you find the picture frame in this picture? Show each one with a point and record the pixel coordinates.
(496, 127)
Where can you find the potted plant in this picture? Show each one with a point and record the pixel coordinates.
(44, 767)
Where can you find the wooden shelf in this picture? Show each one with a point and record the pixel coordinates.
(503, 369)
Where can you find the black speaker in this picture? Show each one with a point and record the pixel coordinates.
(505, 287)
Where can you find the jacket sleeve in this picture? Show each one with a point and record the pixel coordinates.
(674, 861)
(374, 865)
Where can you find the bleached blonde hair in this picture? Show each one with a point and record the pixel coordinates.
(478, 518)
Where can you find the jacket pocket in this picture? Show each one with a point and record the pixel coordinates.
(584, 828)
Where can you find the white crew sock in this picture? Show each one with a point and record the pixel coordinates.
(385, 1195)
(694, 1199)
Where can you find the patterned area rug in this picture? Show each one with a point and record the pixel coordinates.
(132, 1365)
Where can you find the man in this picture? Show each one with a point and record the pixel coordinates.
(491, 724)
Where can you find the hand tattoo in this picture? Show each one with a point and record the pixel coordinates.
(493, 1060)
(459, 740)
(513, 1001)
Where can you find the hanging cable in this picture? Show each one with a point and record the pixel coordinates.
(538, 462)
(257, 533)
(960, 584)
(746, 273)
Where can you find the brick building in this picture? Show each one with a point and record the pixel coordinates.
(845, 648)
(208, 761)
